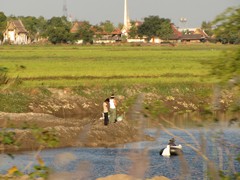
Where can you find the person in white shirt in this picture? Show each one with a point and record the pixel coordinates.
(113, 109)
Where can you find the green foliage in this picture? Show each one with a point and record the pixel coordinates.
(14, 102)
(3, 22)
(107, 26)
(40, 171)
(156, 108)
(35, 26)
(3, 75)
(58, 30)
(153, 26)
(7, 137)
(207, 27)
(166, 31)
(228, 25)
(227, 67)
(133, 31)
(235, 106)
(85, 33)
(45, 91)
(46, 138)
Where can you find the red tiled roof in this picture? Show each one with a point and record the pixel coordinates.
(117, 31)
(176, 34)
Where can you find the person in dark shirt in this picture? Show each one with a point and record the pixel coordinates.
(172, 142)
(105, 111)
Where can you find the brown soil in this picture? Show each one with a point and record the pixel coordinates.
(127, 177)
(78, 126)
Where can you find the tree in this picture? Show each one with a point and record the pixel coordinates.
(228, 26)
(166, 31)
(58, 30)
(107, 26)
(3, 23)
(98, 31)
(207, 27)
(120, 25)
(153, 26)
(227, 67)
(133, 31)
(35, 26)
(85, 33)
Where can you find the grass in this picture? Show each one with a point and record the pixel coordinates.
(64, 66)
(14, 102)
(180, 73)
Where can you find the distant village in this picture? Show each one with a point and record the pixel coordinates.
(156, 30)
(16, 33)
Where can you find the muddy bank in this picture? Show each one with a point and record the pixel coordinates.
(31, 128)
(73, 119)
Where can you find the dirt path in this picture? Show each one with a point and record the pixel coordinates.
(136, 113)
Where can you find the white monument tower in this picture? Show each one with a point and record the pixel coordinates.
(126, 23)
(125, 13)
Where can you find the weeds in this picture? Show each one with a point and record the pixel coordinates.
(3, 75)
(214, 171)
(14, 102)
(45, 138)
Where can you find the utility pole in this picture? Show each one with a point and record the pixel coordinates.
(65, 12)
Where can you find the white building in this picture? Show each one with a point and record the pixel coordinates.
(15, 33)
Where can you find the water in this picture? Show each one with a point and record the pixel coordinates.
(222, 147)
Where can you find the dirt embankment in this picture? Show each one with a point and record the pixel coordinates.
(81, 125)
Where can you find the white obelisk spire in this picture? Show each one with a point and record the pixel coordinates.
(126, 18)
(125, 14)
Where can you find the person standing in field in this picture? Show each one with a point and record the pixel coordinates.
(105, 111)
(113, 110)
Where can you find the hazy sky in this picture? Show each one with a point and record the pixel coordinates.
(96, 11)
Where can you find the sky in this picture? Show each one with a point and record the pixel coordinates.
(96, 11)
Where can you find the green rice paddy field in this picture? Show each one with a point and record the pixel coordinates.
(69, 65)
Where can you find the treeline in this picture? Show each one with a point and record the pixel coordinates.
(56, 29)
(225, 28)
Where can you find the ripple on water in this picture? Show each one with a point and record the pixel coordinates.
(106, 161)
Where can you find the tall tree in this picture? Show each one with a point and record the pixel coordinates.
(107, 26)
(3, 23)
(228, 26)
(133, 31)
(58, 30)
(35, 26)
(85, 32)
(207, 27)
(227, 66)
(153, 26)
(228, 31)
